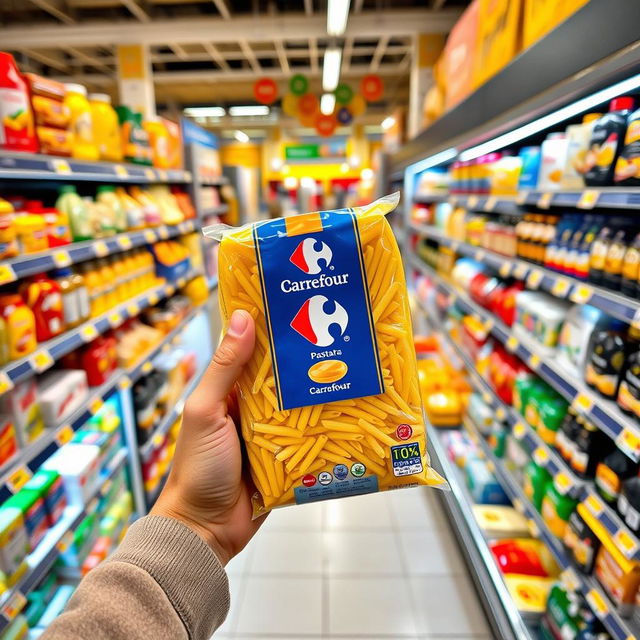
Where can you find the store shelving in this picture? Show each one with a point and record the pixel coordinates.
(214, 211)
(213, 182)
(601, 412)
(622, 307)
(57, 539)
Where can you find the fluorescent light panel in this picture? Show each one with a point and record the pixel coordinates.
(327, 103)
(241, 136)
(205, 112)
(331, 68)
(249, 110)
(337, 16)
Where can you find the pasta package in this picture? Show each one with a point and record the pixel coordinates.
(329, 402)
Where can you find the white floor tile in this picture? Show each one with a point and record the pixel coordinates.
(448, 605)
(368, 607)
(361, 553)
(368, 512)
(288, 553)
(304, 517)
(288, 606)
(418, 509)
(431, 553)
(237, 565)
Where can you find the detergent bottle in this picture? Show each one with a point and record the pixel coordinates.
(17, 128)
(20, 324)
(72, 205)
(44, 297)
(106, 129)
(76, 101)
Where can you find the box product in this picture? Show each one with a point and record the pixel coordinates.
(8, 439)
(335, 297)
(50, 487)
(14, 543)
(554, 157)
(34, 513)
(23, 405)
(78, 466)
(61, 393)
(498, 521)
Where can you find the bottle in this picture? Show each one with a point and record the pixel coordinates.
(106, 195)
(106, 129)
(117, 266)
(629, 504)
(44, 297)
(8, 240)
(70, 306)
(56, 222)
(81, 124)
(133, 210)
(135, 140)
(159, 141)
(95, 288)
(627, 171)
(82, 295)
(612, 472)
(590, 445)
(598, 256)
(17, 128)
(108, 279)
(581, 542)
(612, 277)
(20, 324)
(631, 269)
(556, 510)
(629, 391)
(578, 138)
(151, 210)
(72, 205)
(606, 142)
(606, 361)
(552, 413)
(554, 156)
(101, 218)
(583, 255)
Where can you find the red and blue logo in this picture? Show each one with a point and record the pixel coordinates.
(307, 258)
(313, 322)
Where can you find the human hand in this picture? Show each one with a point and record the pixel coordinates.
(206, 489)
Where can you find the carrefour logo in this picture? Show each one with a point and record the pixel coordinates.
(307, 258)
(313, 322)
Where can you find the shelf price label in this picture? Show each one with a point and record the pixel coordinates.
(150, 174)
(115, 319)
(541, 456)
(95, 405)
(629, 441)
(453, 200)
(64, 435)
(490, 466)
(61, 167)
(505, 269)
(124, 383)
(150, 236)
(14, 605)
(5, 382)
(512, 343)
(563, 483)
(534, 278)
(158, 439)
(88, 333)
(100, 248)
(472, 202)
(41, 360)
(522, 196)
(124, 242)
(544, 201)
(490, 204)
(519, 430)
(581, 294)
(163, 233)
(570, 579)
(147, 366)
(520, 271)
(582, 402)
(597, 603)
(517, 503)
(153, 298)
(593, 503)
(7, 274)
(560, 287)
(533, 528)
(61, 259)
(121, 171)
(18, 478)
(163, 175)
(626, 543)
(534, 361)
(133, 309)
(501, 414)
(588, 199)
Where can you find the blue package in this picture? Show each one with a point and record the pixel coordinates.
(530, 167)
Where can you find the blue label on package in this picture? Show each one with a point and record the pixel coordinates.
(335, 489)
(318, 311)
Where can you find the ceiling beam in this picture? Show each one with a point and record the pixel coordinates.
(250, 56)
(50, 59)
(370, 24)
(313, 54)
(223, 8)
(178, 50)
(135, 8)
(55, 8)
(282, 56)
(89, 59)
(379, 53)
(215, 55)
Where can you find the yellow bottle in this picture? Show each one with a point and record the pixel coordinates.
(130, 269)
(133, 211)
(93, 281)
(81, 126)
(107, 276)
(117, 265)
(159, 139)
(106, 129)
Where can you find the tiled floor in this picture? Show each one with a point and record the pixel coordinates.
(381, 566)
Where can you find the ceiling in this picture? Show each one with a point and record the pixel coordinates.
(206, 52)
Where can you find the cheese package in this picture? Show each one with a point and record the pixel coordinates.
(329, 401)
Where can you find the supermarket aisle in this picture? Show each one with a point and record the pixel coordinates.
(376, 566)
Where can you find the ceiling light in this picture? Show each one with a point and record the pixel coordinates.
(241, 136)
(337, 16)
(551, 119)
(205, 112)
(388, 122)
(433, 161)
(249, 110)
(366, 174)
(331, 68)
(327, 103)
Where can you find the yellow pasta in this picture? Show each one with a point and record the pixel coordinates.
(341, 440)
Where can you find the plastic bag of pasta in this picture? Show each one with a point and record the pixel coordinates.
(329, 402)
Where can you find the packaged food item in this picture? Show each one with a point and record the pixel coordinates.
(22, 404)
(529, 594)
(106, 194)
(8, 439)
(522, 556)
(175, 143)
(578, 139)
(14, 543)
(78, 467)
(61, 393)
(17, 130)
(44, 297)
(498, 521)
(581, 543)
(335, 413)
(627, 171)
(151, 211)
(31, 233)
(55, 142)
(50, 112)
(20, 325)
(106, 129)
(81, 123)
(48, 485)
(56, 222)
(606, 142)
(159, 141)
(554, 156)
(556, 510)
(73, 206)
(135, 140)
(536, 481)
(33, 512)
(629, 503)
(612, 472)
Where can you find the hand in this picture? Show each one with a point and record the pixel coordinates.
(206, 489)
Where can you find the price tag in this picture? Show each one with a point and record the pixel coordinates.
(472, 202)
(582, 403)
(169, 290)
(14, 605)
(541, 456)
(581, 294)
(560, 287)
(501, 414)
(121, 171)
(481, 254)
(518, 506)
(61, 259)
(570, 579)
(124, 383)
(153, 298)
(597, 603)
(124, 242)
(626, 543)
(7, 274)
(64, 435)
(490, 203)
(562, 482)
(163, 232)
(534, 278)
(88, 333)
(505, 269)
(147, 367)
(490, 466)
(41, 360)
(115, 319)
(629, 441)
(61, 166)
(158, 439)
(100, 248)
(544, 201)
(65, 542)
(594, 504)
(163, 175)
(133, 309)
(519, 430)
(150, 174)
(522, 196)
(533, 528)
(520, 271)
(512, 343)
(488, 324)
(181, 282)
(18, 478)
(534, 361)
(588, 199)
(95, 405)
(5, 382)
(150, 236)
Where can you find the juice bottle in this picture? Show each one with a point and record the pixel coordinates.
(20, 323)
(31, 231)
(108, 279)
(135, 140)
(631, 269)
(56, 223)
(95, 287)
(70, 306)
(106, 129)
(17, 129)
(159, 141)
(133, 211)
(150, 208)
(82, 295)
(81, 124)
(106, 195)
(44, 297)
(8, 241)
(72, 205)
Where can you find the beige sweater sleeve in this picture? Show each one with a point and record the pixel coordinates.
(163, 581)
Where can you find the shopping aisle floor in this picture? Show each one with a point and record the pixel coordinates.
(376, 566)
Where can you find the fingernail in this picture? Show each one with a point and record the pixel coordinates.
(237, 324)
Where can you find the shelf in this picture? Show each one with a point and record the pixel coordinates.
(26, 265)
(167, 421)
(29, 166)
(603, 413)
(622, 307)
(41, 560)
(48, 352)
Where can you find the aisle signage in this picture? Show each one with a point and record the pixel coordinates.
(301, 151)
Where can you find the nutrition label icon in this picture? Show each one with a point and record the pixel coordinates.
(358, 469)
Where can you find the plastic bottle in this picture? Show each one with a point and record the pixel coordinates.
(612, 472)
(107, 276)
(17, 129)
(81, 124)
(72, 205)
(566, 435)
(606, 142)
(20, 323)
(612, 277)
(106, 129)
(578, 138)
(133, 210)
(159, 141)
(135, 140)
(8, 241)
(44, 297)
(106, 195)
(70, 306)
(95, 287)
(598, 256)
(554, 155)
(150, 208)
(82, 295)
(56, 223)
(535, 482)
(631, 269)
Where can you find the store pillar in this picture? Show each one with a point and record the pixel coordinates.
(135, 79)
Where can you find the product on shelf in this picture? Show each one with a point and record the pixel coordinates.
(135, 139)
(14, 543)
(23, 405)
(105, 127)
(556, 510)
(61, 393)
(611, 472)
(50, 488)
(541, 316)
(75, 209)
(483, 485)
(17, 130)
(159, 141)
(34, 514)
(578, 139)
(581, 543)
(44, 297)
(19, 324)
(536, 481)
(606, 360)
(57, 223)
(554, 156)
(133, 210)
(81, 122)
(77, 465)
(531, 158)
(497, 521)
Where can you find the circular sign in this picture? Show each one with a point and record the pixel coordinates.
(340, 471)
(309, 480)
(404, 432)
(325, 478)
(343, 93)
(308, 104)
(344, 116)
(371, 87)
(358, 469)
(326, 125)
(298, 85)
(290, 104)
(265, 90)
